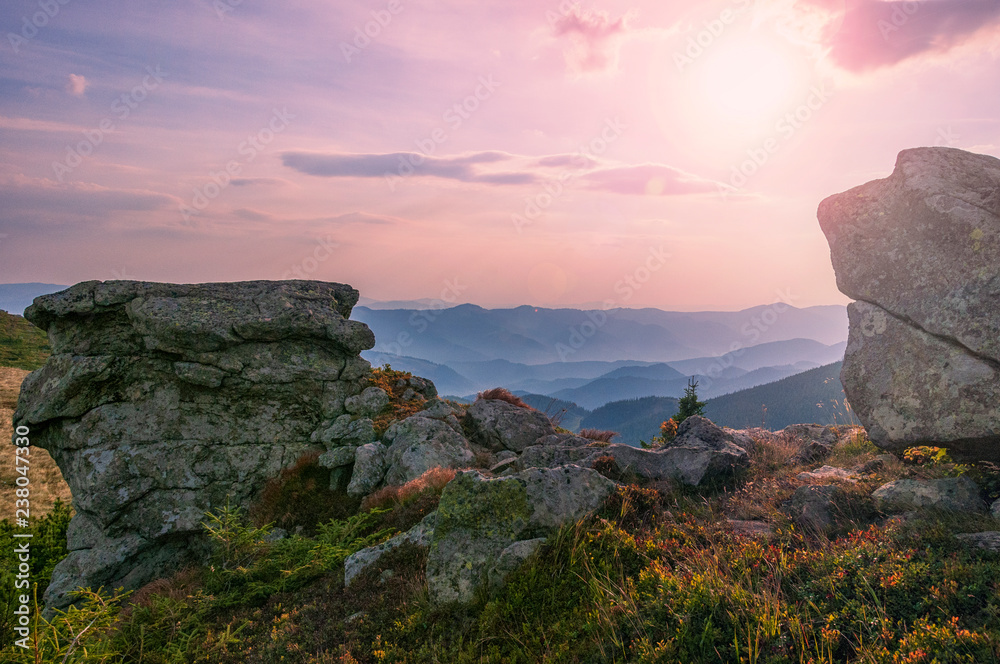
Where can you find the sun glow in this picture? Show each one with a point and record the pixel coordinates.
(748, 80)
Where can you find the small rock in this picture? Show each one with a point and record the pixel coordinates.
(276, 534)
(751, 528)
(369, 469)
(874, 465)
(989, 540)
(503, 465)
(498, 425)
(811, 452)
(369, 403)
(951, 493)
(826, 435)
(827, 473)
(337, 457)
(995, 509)
(814, 507)
(345, 431)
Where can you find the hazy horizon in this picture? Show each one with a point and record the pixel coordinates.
(629, 154)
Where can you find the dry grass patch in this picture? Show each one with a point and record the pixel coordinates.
(597, 435)
(47, 483)
(503, 394)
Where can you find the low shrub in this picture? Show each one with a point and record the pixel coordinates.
(301, 498)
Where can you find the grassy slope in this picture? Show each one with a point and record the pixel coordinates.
(47, 483)
(657, 576)
(22, 345)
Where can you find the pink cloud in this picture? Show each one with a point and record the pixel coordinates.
(76, 85)
(594, 39)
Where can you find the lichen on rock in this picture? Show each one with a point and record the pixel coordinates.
(163, 401)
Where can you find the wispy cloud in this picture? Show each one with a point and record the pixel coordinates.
(460, 167)
(38, 195)
(641, 179)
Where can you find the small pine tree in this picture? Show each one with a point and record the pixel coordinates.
(688, 404)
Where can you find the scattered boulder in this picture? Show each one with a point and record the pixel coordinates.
(415, 385)
(702, 450)
(826, 435)
(751, 528)
(369, 469)
(480, 517)
(874, 465)
(995, 509)
(814, 507)
(346, 430)
(951, 493)
(367, 404)
(417, 444)
(827, 473)
(920, 252)
(446, 412)
(701, 431)
(811, 452)
(163, 401)
(988, 541)
(498, 425)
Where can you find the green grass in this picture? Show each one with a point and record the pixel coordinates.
(22, 345)
(657, 576)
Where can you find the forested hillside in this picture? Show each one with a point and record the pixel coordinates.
(22, 345)
(811, 396)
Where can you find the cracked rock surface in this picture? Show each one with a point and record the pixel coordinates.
(160, 401)
(920, 252)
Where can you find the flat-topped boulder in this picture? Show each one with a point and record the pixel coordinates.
(163, 401)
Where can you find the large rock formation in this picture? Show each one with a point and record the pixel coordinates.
(163, 401)
(920, 252)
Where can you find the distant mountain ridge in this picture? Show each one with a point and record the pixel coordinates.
(532, 335)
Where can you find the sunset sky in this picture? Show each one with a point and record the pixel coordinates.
(500, 152)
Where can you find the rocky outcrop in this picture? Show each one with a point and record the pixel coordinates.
(484, 525)
(163, 401)
(700, 450)
(958, 494)
(920, 252)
